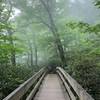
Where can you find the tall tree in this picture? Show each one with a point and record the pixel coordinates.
(45, 12)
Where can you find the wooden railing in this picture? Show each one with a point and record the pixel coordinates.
(36, 79)
(75, 91)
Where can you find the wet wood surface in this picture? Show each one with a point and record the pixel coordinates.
(51, 89)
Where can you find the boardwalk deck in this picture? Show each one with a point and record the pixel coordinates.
(51, 89)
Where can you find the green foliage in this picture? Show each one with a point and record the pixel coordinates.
(11, 77)
(84, 27)
(83, 55)
(97, 3)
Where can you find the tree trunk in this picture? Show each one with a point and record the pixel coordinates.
(35, 51)
(13, 54)
(28, 58)
(54, 30)
(31, 54)
(36, 57)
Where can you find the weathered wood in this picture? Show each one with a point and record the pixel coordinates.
(18, 93)
(33, 92)
(82, 94)
(51, 89)
(71, 95)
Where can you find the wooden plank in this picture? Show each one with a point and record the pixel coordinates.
(82, 94)
(33, 92)
(23, 88)
(72, 97)
(51, 89)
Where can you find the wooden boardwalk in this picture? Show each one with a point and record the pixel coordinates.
(54, 87)
(51, 89)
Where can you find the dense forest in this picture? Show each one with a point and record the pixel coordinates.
(42, 33)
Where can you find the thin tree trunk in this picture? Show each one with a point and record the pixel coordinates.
(13, 57)
(35, 51)
(28, 59)
(31, 54)
(36, 56)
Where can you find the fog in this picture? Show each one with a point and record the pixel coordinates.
(83, 10)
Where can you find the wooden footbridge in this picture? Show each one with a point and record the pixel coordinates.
(45, 86)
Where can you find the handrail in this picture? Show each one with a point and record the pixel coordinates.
(18, 93)
(33, 92)
(81, 93)
(67, 88)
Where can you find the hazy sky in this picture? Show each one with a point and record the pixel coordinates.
(80, 10)
(84, 10)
